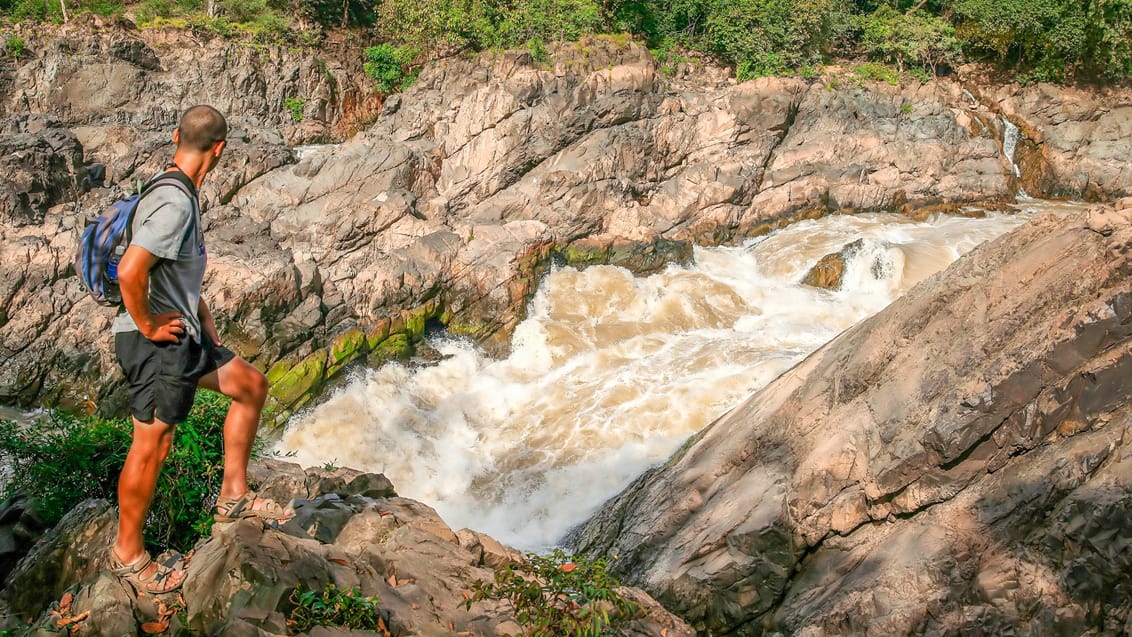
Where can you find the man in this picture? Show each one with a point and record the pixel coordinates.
(168, 345)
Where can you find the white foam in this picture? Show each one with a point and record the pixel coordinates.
(610, 373)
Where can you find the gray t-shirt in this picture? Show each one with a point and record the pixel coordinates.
(167, 225)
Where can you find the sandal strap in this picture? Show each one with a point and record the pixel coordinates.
(229, 509)
(120, 568)
(156, 583)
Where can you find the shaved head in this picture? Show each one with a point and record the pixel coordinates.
(202, 126)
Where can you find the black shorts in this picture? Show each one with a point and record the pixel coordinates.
(163, 377)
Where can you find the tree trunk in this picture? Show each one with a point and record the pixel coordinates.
(345, 13)
(210, 8)
(63, 5)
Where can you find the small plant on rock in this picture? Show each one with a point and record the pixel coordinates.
(333, 606)
(558, 596)
(296, 106)
(15, 46)
(385, 64)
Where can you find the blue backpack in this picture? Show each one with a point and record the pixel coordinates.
(105, 238)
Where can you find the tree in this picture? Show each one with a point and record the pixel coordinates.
(915, 37)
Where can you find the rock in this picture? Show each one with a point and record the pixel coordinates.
(242, 579)
(20, 527)
(957, 462)
(69, 553)
(829, 271)
(453, 203)
(41, 163)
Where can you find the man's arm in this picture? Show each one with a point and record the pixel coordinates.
(133, 281)
(207, 323)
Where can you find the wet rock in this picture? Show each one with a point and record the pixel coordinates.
(957, 462)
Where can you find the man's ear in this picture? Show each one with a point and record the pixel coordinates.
(177, 136)
(218, 148)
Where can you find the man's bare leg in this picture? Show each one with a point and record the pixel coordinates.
(247, 387)
(149, 448)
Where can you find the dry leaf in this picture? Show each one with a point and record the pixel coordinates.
(567, 567)
(154, 628)
(67, 621)
(338, 560)
(392, 581)
(466, 594)
(384, 513)
(415, 606)
(65, 602)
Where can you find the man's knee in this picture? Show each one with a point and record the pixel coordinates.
(153, 437)
(253, 385)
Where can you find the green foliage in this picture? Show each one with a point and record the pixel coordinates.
(15, 46)
(915, 38)
(767, 37)
(559, 595)
(295, 105)
(877, 72)
(332, 606)
(67, 459)
(486, 24)
(538, 50)
(386, 65)
(1051, 39)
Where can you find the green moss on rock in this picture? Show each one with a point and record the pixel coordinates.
(301, 381)
(346, 348)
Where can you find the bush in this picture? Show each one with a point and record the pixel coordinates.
(556, 595)
(385, 65)
(877, 72)
(333, 606)
(295, 105)
(15, 46)
(914, 38)
(67, 459)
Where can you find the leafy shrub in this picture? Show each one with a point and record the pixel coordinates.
(68, 459)
(538, 50)
(559, 595)
(296, 106)
(385, 64)
(877, 72)
(333, 606)
(909, 39)
(15, 46)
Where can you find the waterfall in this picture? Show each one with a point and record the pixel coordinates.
(1010, 135)
(610, 373)
(1010, 144)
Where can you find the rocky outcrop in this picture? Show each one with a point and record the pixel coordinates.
(42, 164)
(464, 190)
(958, 463)
(351, 530)
(100, 74)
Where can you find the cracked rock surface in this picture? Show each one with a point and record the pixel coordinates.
(350, 529)
(454, 201)
(961, 461)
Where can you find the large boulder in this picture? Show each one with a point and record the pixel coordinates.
(959, 462)
(351, 530)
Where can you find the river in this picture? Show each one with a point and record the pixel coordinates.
(609, 373)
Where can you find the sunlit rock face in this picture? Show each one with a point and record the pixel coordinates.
(958, 461)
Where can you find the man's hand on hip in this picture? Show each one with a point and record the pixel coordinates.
(163, 328)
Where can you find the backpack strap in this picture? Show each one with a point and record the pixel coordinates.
(176, 178)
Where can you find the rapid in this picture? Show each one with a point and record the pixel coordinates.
(610, 374)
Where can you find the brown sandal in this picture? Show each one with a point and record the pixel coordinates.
(233, 509)
(157, 583)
